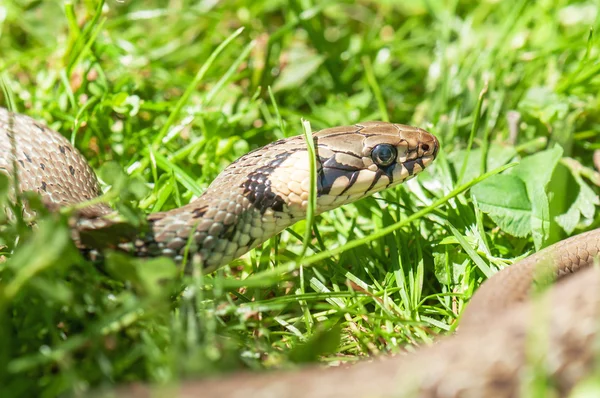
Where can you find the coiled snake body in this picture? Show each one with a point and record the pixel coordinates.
(267, 190)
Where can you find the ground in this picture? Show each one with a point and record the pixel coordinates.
(162, 95)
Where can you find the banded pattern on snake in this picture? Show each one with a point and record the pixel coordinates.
(266, 190)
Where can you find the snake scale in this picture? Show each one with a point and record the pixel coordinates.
(266, 190)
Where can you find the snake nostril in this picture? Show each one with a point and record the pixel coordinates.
(425, 147)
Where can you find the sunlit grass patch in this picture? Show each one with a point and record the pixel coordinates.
(170, 93)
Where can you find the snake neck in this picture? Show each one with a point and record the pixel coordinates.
(239, 210)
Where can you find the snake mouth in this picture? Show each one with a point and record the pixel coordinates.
(425, 161)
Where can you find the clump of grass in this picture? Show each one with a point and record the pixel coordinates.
(172, 93)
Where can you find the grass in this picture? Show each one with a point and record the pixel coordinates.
(162, 95)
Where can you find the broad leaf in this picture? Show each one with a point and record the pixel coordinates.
(517, 201)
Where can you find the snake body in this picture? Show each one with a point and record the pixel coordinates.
(266, 190)
(492, 359)
(253, 199)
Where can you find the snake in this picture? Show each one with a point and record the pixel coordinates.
(253, 199)
(268, 189)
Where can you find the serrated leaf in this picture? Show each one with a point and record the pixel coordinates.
(536, 171)
(504, 198)
(517, 201)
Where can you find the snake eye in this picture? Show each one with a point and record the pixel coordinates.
(384, 154)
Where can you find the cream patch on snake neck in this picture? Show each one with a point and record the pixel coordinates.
(290, 181)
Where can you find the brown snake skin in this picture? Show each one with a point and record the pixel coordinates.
(487, 360)
(266, 190)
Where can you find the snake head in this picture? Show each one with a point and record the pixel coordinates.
(369, 157)
(352, 162)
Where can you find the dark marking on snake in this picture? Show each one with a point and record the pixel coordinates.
(62, 149)
(353, 179)
(378, 175)
(345, 134)
(388, 171)
(257, 186)
(410, 166)
(258, 152)
(334, 164)
(331, 171)
(44, 186)
(278, 142)
(277, 162)
(22, 164)
(27, 157)
(354, 155)
(71, 170)
(326, 179)
(39, 127)
(42, 166)
(199, 212)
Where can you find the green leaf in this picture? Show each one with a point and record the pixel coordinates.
(323, 342)
(518, 201)
(504, 198)
(536, 171)
(583, 206)
(301, 66)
